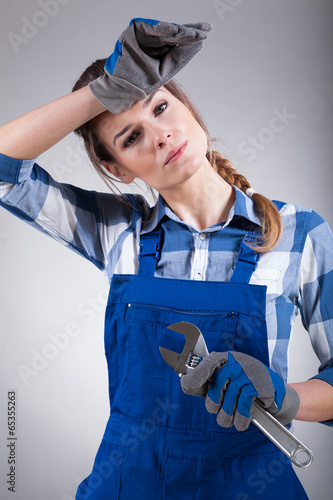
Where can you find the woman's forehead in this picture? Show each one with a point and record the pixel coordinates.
(107, 122)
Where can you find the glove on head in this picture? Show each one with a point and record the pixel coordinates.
(147, 55)
(231, 381)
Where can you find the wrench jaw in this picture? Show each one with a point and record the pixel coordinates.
(187, 329)
(194, 351)
(171, 358)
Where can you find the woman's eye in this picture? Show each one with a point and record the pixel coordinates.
(160, 108)
(132, 137)
(130, 140)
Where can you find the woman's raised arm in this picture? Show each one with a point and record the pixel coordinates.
(124, 82)
(35, 132)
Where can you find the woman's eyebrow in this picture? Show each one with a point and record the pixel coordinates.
(144, 105)
(150, 97)
(122, 132)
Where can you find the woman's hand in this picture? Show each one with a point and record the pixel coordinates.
(231, 381)
(147, 55)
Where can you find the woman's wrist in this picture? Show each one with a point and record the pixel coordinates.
(316, 400)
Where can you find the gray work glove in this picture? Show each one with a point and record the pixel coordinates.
(231, 381)
(147, 55)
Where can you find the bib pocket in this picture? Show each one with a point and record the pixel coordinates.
(154, 388)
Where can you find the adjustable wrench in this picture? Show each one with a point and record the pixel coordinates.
(194, 351)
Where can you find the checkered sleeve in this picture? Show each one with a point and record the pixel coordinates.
(87, 222)
(316, 292)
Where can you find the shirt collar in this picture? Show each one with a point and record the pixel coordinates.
(243, 207)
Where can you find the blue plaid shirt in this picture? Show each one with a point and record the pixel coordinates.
(99, 226)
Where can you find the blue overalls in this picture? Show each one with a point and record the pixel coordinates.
(159, 443)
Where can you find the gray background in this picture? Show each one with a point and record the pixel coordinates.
(262, 57)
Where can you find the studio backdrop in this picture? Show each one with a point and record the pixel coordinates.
(263, 84)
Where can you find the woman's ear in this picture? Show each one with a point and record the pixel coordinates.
(117, 171)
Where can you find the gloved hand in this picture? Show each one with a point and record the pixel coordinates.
(146, 56)
(231, 381)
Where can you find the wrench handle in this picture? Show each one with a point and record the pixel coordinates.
(292, 447)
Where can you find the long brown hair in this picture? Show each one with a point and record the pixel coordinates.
(265, 209)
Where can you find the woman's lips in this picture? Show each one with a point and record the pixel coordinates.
(176, 153)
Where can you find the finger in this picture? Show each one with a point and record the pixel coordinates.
(245, 401)
(231, 395)
(258, 373)
(168, 33)
(158, 40)
(188, 33)
(230, 379)
(219, 385)
(151, 27)
(198, 379)
(215, 397)
(240, 397)
(200, 26)
(211, 406)
(202, 29)
(224, 419)
(240, 422)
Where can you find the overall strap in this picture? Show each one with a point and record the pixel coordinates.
(150, 251)
(246, 263)
(247, 260)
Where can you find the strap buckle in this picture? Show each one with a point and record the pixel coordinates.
(151, 245)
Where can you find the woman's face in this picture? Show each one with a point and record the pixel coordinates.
(157, 140)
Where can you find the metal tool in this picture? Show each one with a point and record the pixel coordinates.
(194, 351)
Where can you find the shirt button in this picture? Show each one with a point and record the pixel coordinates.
(202, 236)
(198, 277)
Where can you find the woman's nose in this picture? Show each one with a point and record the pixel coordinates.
(160, 136)
(162, 139)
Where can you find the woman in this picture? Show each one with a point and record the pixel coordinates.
(211, 252)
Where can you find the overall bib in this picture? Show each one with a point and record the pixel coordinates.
(159, 443)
